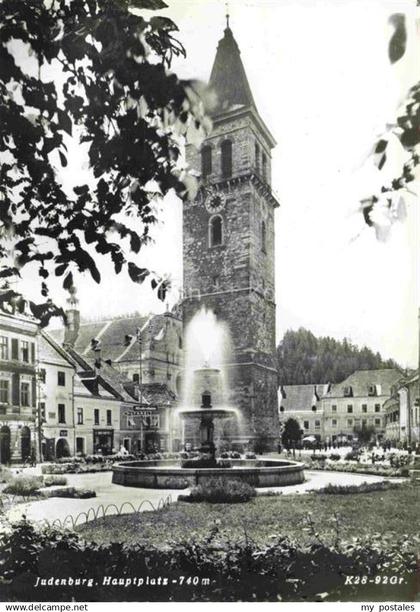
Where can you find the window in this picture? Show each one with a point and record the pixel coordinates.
(4, 347)
(4, 391)
(136, 378)
(80, 416)
(349, 408)
(61, 413)
(24, 347)
(377, 407)
(216, 231)
(364, 407)
(96, 416)
(42, 375)
(371, 390)
(334, 408)
(226, 158)
(349, 422)
(263, 237)
(206, 399)
(80, 445)
(264, 166)
(348, 392)
(257, 157)
(109, 417)
(15, 348)
(24, 394)
(206, 161)
(364, 422)
(42, 411)
(377, 422)
(334, 422)
(61, 379)
(305, 424)
(317, 424)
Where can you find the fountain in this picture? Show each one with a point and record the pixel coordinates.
(206, 392)
(209, 378)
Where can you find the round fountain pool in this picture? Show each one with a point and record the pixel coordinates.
(170, 475)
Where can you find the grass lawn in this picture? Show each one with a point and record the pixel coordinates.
(362, 514)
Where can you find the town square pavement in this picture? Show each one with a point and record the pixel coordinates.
(61, 509)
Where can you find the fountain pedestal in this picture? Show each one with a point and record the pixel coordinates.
(207, 448)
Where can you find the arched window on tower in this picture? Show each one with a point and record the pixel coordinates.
(215, 230)
(263, 236)
(257, 158)
(226, 158)
(264, 166)
(206, 161)
(206, 399)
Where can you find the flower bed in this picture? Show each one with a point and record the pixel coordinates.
(357, 468)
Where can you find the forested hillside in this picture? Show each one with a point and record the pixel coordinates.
(303, 358)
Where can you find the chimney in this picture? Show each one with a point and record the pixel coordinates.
(73, 319)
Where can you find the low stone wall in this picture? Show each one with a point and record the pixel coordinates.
(166, 475)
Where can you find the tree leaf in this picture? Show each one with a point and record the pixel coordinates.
(68, 281)
(382, 162)
(381, 146)
(137, 274)
(63, 159)
(151, 5)
(398, 42)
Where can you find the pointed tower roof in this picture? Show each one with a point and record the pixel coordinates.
(228, 78)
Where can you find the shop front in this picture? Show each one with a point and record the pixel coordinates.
(103, 441)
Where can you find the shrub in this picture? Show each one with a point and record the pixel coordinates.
(335, 457)
(352, 456)
(318, 457)
(221, 491)
(173, 482)
(51, 481)
(72, 493)
(236, 455)
(364, 487)
(24, 485)
(250, 456)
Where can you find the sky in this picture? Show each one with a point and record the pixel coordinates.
(323, 84)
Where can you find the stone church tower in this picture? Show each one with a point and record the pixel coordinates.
(228, 244)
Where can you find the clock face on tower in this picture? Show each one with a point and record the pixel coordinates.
(215, 202)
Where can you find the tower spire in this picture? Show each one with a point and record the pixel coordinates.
(227, 16)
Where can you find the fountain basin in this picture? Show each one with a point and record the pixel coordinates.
(169, 475)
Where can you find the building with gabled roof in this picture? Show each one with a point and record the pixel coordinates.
(302, 402)
(80, 408)
(160, 360)
(358, 401)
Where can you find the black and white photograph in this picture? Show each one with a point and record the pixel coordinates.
(210, 303)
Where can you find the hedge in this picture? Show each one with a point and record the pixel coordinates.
(237, 571)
